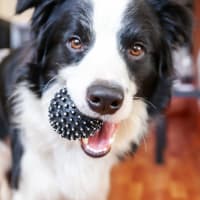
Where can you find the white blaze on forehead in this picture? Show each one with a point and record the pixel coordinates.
(104, 61)
(108, 14)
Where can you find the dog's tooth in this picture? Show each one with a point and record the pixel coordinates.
(85, 141)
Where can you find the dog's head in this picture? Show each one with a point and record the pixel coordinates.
(113, 56)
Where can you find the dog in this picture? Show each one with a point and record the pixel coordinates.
(114, 57)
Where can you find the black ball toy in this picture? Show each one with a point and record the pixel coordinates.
(68, 121)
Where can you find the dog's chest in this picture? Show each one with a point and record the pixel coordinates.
(68, 174)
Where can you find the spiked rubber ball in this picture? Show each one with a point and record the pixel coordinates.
(68, 121)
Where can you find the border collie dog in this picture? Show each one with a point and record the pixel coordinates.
(114, 58)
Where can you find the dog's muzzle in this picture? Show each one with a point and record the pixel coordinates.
(95, 136)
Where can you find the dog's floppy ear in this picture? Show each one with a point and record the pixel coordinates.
(23, 5)
(175, 19)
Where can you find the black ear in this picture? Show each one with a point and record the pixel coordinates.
(23, 5)
(175, 19)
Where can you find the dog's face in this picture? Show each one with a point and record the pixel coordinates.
(113, 56)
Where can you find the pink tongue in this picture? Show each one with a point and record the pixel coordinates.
(100, 144)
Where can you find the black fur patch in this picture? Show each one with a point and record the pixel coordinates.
(17, 153)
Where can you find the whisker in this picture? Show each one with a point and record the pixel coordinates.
(143, 137)
(145, 143)
(146, 101)
(48, 83)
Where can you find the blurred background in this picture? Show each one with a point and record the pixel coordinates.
(167, 165)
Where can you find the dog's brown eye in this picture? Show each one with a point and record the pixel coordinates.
(75, 43)
(137, 50)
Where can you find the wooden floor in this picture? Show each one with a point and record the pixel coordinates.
(140, 178)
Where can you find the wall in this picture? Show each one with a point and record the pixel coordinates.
(7, 11)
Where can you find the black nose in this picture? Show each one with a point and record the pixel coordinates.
(105, 100)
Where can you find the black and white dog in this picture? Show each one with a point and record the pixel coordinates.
(114, 58)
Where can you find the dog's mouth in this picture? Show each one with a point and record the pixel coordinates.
(100, 143)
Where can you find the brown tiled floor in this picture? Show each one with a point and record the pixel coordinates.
(139, 178)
